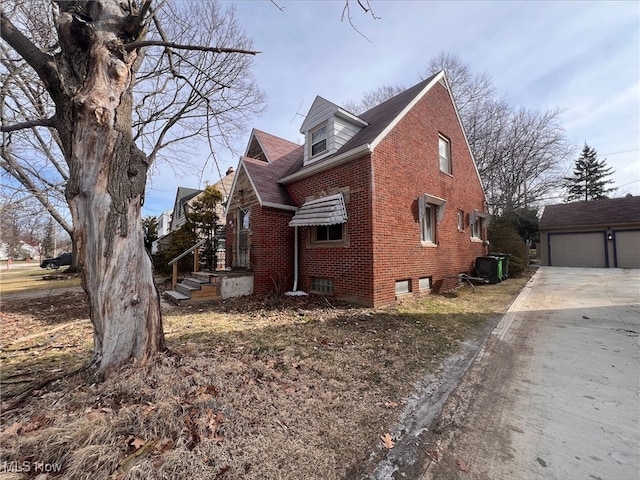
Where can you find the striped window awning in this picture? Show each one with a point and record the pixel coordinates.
(329, 210)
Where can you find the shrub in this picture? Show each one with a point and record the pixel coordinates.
(504, 238)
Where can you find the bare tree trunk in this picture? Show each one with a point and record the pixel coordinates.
(105, 194)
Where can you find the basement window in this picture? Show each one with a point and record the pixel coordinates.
(322, 286)
(424, 284)
(403, 287)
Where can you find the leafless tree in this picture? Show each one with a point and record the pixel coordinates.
(521, 154)
(116, 86)
(372, 98)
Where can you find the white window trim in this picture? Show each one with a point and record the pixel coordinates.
(442, 138)
(436, 213)
(428, 225)
(477, 221)
(324, 125)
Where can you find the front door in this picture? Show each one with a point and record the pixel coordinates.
(243, 238)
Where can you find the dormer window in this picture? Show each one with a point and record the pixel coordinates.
(319, 141)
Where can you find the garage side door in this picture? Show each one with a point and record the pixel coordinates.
(578, 249)
(627, 248)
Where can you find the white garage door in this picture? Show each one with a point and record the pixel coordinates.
(578, 249)
(627, 248)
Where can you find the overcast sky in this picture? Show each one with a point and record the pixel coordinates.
(582, 57)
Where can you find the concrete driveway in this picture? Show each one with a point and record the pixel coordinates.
(555, 392)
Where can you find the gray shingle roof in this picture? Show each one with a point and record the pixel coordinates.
(595, 213)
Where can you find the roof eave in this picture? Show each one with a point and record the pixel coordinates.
(321, 166)
(279, 206)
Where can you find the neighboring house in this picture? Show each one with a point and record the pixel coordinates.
(27, 250)
(179, 217)
(164, 226)
(595, 233)
(4, 251)
(370, 208)
(184, 199)
(164, 223)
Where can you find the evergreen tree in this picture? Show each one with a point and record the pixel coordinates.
(589, 180)
(150, 229)
(204, 217)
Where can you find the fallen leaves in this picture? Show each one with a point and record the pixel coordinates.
(387, 440)
(135, 442)
(462, 466)
(215, 422)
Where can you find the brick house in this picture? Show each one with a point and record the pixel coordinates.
(369, 208)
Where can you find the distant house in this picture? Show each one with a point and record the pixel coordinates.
(27, 250)
(371, 207)
(595, 233)
(172, 220)
(183, 197)
(164, 227)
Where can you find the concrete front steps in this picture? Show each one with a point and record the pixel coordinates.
(197, 287)
(206, 286)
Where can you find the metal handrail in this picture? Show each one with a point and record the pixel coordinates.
(187, 252)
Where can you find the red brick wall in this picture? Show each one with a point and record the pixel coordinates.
(350, 267)
(383, 228)
(271, 250)
(406, 166)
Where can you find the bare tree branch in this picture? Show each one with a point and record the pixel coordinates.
(41, 122)
(158, 43)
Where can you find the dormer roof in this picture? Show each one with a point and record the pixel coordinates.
(322, 109)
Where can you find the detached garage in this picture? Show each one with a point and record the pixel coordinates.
(598, 233)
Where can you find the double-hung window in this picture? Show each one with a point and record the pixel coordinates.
(431, 210)
(319, 141)
(444, 151)
(477, 221)
(428, 224)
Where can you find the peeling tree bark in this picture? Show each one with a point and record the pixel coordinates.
(105, 194)
(91, 83)
(90, 79)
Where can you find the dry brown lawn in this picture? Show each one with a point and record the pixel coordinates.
(251, 388)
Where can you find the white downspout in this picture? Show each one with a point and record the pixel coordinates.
(295, 259)
(295, 291)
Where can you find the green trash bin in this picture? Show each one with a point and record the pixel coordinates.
(504, 257)
(500, 266)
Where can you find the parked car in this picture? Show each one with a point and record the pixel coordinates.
(57, 262)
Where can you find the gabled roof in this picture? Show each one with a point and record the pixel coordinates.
(325, 108)
(380, 119)
(377, 122)
(384, 116)
(184, 194)
(270, 146)
(264, 177)
(594, 213)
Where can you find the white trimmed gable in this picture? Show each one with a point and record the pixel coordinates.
(326, 128)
